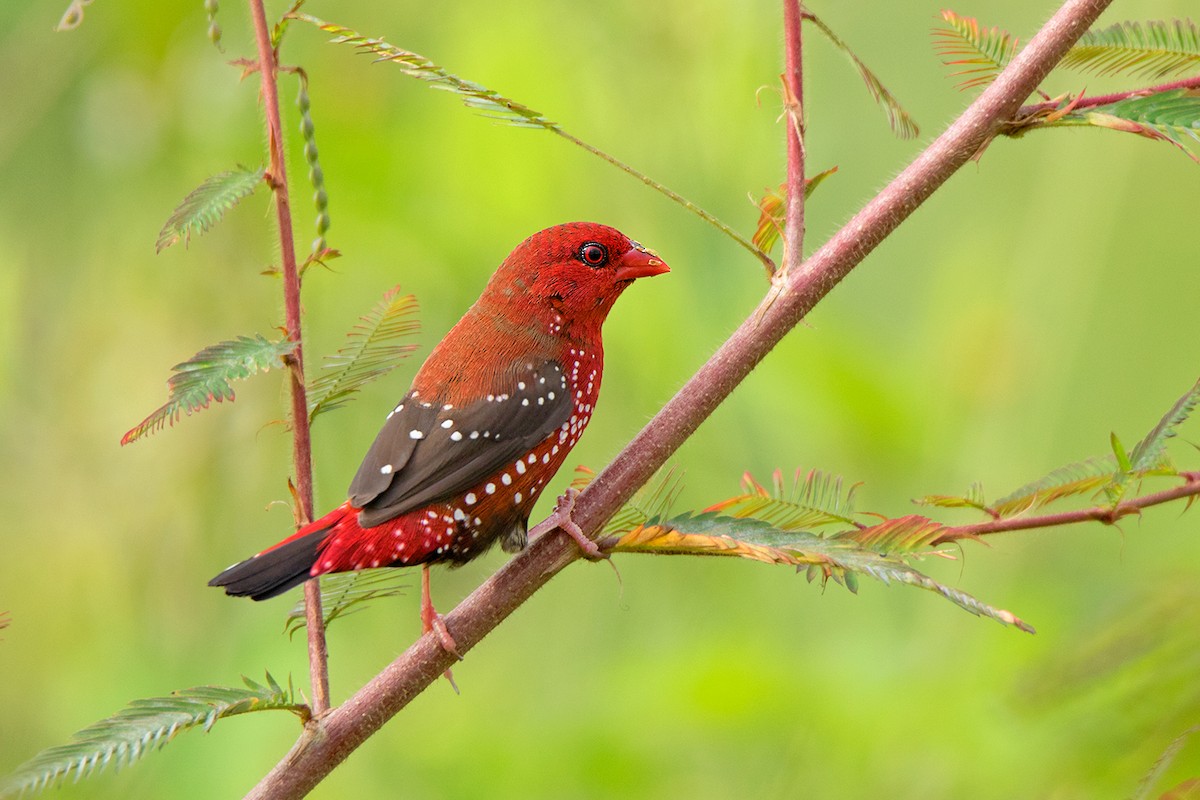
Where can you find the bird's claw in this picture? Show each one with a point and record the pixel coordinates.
(561, 518)
(433, 622)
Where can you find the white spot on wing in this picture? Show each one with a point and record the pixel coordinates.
(415, 434)
(386, 469)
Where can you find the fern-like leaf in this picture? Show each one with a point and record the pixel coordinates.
(1172, 116)
(903, 125)
(1152, 49)
(372, 351)
(207, 203)
(1151, 452)
(984, 52)
(908, 534)
(143, 726)
(1081, 477)
(823, 558)
(345, 593)
(205, 377)
(974, 498)
(813, 499)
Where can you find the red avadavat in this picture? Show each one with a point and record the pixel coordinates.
(490, 417)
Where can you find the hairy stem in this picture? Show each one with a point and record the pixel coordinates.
(301, 437)
(328, 741)
(793, 83)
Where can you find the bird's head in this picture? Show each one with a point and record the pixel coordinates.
(567, 277)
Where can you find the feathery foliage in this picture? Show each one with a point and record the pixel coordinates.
(143, 726)
(1151, 49)
(900, 535)
(983, 51)
(494, 105)
(1110, 473)
(1172, 116)
(974, 498)
(205, 377)
(1081, 477)
(841, 559)
(1151, 451)
(207, 203)
(370, 352)
(814, 498)
(344, 593)
(903, 125)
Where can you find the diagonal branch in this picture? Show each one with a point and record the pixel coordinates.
(326, 742)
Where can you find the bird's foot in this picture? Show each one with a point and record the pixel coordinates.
(561, 518)
(432, 621)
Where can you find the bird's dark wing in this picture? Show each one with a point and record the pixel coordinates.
(428, 452)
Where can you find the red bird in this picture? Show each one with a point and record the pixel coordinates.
(490, 417)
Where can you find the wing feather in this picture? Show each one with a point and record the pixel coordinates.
(428, 452)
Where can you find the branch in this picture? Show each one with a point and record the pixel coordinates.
(793, 90)
(1105, 99)
(327, 741)
(301, 437)
(1108, 514)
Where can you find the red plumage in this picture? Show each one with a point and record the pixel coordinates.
(491, 416)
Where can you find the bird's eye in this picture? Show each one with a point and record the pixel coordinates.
(593, 254)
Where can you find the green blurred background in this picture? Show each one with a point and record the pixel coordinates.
(1042, 299)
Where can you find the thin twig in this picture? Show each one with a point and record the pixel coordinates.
(1108, 514)
(301, 439)
(328, 741)
(793, 86)
(1105, 99)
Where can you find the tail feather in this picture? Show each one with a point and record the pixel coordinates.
(273, 572)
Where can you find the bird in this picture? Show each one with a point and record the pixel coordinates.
(490, 417)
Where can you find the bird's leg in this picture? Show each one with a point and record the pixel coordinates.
(431, 620)
(561, 518)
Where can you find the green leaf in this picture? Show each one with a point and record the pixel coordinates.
(496, 106)
(1151, 452)
(205, 377)
(345, 593)
(983, 51)
(813, 499)
(1081, 477)
(1119, 453)
(143, 726)
(370, 352)
(899, 120)
(1172, 116)
(1152, 49)
(974, 498)
(838, 558)
(205, 206)
(907, 534)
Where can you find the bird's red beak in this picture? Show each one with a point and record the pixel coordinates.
(640, 263)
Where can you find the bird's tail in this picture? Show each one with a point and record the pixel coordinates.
(279, 568)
